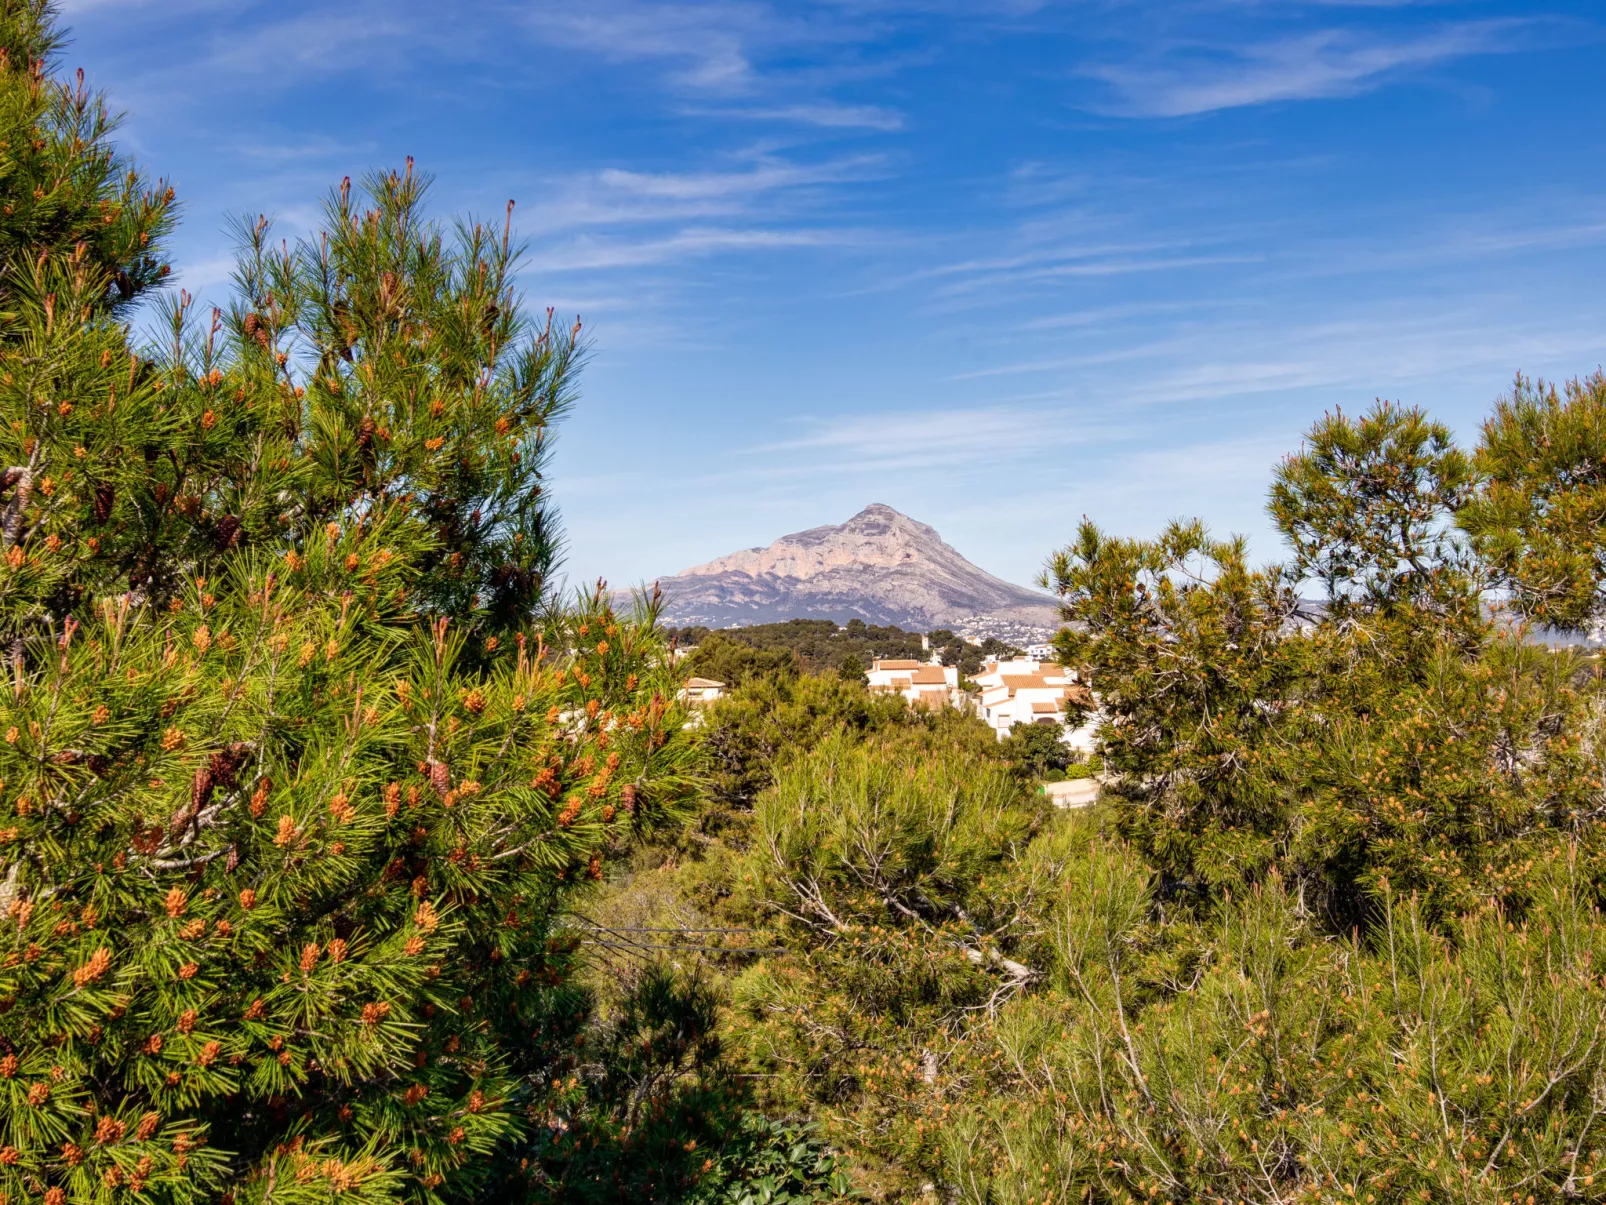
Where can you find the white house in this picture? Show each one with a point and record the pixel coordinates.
(1032, 691)
(922, 684)
(701, 690)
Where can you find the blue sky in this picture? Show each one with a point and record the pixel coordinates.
(998, 265)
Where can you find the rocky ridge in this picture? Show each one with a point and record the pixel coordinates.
(880, 566)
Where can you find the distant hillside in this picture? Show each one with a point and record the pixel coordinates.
(880, 566)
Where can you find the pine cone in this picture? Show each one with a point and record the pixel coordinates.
(218, 770)
(440, 778)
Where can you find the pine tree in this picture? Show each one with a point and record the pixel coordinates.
(1540, 516)
(300, 759)
(1391, 739)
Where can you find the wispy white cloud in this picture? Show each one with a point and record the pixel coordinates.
(828, 115)
(589, 253)
(766, 177)
(1202, 78)
(711, 46)
(1093, 267)
(1105, 316)
(657, 217)
(869, 442)
(358, 34)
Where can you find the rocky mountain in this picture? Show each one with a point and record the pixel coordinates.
(880, 566)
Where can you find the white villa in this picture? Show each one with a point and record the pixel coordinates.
(701, 690)
(922, 684)
(1030, 690)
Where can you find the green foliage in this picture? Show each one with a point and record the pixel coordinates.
(1540, 517)
(1249, 1059)
(1186, 647)
(300, 759)
(819, 645)
(1038, 750)
(748, 734)
(891, 867)
(1146, 1052)
(1091, 768)
(1390, 738)
(873, 828)
(774, 1163)
(77, 221)
(1368, 510)
(646, 1116)
(952, 650)
(427, 390)
(724, 658)
(852, 670)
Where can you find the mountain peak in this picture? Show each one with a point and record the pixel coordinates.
(876, 511)
(880, 566)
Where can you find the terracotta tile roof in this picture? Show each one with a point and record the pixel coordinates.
(1044, 708)
(929, 675)
(1026, 682)
(901, 684)
(703, 684)
(896, 665)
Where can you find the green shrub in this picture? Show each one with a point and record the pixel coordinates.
(897, 870)
(1250, 1059)
(1038, 751)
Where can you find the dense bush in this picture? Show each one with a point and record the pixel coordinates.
(814, 646)
(1038, 751)
(723, 658)
(750, 734)
(894, 868)
(1249, 1058)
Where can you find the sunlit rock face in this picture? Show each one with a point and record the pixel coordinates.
(880, 566)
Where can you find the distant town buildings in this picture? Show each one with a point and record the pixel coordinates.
(1026, 690)
(1030, 689)
(976, 629)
